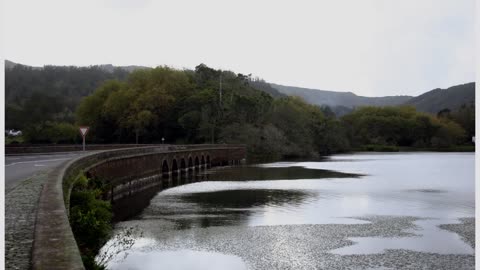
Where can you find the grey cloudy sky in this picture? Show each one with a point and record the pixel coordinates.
(369, 47)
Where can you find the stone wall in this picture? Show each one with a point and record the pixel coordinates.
(54, 244)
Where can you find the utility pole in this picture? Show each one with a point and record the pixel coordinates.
(220, 92)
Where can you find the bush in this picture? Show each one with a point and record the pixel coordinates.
(52, 132)
(90, 218)
(380, 148)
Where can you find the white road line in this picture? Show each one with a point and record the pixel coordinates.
(36, 161)
(39, 165)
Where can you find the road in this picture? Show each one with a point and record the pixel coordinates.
(18, 168)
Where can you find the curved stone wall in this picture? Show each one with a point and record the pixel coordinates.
(128, 171)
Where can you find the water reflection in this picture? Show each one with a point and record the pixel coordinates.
(247, 198)
(249, 173)
(223, 207)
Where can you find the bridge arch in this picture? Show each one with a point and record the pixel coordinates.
(190, 162)
(208, 161)
(202, 161)
(174, 167)
(165, 170)
(183, 165)
(197, 163)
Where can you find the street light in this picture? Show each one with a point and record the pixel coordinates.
(163, 139)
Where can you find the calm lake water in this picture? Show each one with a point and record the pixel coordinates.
(190, 226)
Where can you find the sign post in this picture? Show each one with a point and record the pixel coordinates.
(83, 131)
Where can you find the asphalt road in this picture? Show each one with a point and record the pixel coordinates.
(18, 168)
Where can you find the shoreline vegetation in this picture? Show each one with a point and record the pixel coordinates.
(389, 148)
(206, 105)
(91, 219)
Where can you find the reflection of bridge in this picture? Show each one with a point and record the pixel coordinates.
(129, 173)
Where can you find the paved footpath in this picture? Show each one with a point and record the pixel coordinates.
(20, 214)
(24, 179)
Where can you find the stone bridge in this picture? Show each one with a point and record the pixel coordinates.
(129, 174)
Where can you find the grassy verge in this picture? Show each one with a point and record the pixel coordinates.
(13, 140)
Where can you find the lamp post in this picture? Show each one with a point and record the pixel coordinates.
(163, 139)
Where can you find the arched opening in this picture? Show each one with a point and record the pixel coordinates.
(197, 164)
(174, 167)
(202, 161)
(208, 162)
(165, 170)
(175, 173)
(183, 166)
(190, 163)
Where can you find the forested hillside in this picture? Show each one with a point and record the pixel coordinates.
(34, 95)
(206, 105)
(438, 99)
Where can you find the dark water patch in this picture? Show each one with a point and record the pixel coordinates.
(246, 173)
(131, 205)
(222, 208)
(427, 190)
(247, 198)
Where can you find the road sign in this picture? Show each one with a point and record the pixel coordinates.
(84, 131)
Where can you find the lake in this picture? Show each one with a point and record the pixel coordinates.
(360, 211)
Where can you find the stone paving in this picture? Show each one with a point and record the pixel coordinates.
(21, 204)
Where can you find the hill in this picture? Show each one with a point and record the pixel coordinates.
(438, 99)
(343, 102)
(340, 100)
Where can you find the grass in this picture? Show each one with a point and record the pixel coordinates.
(13, 140)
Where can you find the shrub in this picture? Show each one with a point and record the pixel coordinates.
(90, 218)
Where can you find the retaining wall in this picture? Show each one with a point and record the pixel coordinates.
(54, 245)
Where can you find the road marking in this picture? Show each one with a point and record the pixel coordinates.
(39, 165)
(36, 161)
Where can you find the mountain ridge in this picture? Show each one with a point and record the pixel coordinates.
(340, 102)
(343, 102)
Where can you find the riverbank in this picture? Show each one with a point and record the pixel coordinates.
(392, 148)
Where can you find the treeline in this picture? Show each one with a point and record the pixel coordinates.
(214, 106)
(206, 106)
(42, 101)
(401, 126)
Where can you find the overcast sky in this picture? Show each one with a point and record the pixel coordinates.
(369, 47)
